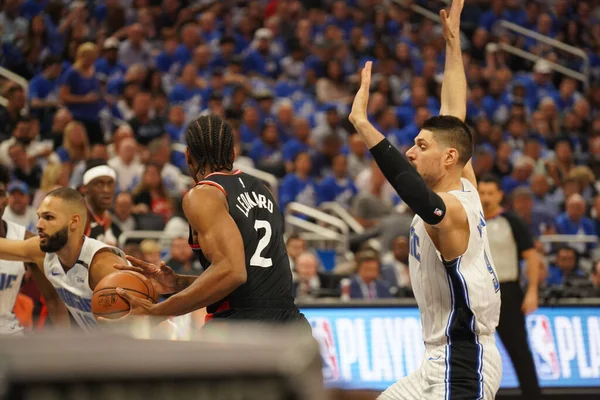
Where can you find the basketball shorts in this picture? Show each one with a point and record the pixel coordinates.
(460, 371)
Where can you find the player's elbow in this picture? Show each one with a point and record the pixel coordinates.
(238, 275)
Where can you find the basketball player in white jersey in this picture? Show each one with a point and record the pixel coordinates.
(12, 273)
(451, 270)
(72, 262)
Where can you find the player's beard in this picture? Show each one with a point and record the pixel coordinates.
(56, 241)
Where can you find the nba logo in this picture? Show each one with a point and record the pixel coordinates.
(543, 348)
(323, 334)
(438, 212)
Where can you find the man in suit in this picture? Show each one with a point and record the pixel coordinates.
(309, 282)
(394, 270)
(366, 284)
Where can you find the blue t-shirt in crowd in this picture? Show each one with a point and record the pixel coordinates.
(342, 191)
(292, 148)
(80, 86)
(294, 188)
(109, 71)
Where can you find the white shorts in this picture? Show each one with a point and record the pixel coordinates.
(452, 372)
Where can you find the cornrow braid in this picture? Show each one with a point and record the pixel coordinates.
(210, 140)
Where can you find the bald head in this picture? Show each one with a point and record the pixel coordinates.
(307, 265)
(575, 207)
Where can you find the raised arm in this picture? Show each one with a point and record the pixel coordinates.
(22, 250)
(454, 85)
(221, 243)
(443, 213)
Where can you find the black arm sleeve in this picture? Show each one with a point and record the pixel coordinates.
(520, 232)
(408, 183)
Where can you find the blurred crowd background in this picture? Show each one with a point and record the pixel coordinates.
(118, 81)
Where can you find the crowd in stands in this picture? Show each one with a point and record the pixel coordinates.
(118, 81)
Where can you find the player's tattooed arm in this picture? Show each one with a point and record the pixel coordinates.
(103, 264)
(56, 308)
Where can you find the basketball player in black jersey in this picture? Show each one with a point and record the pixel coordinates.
(236, 230)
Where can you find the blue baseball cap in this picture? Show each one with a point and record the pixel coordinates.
(18, 185)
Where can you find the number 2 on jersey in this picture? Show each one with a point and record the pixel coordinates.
(257, 260)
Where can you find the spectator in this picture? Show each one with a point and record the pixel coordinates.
(135, 50)
(122, 215)
(127, 163)
(152, 194)
(394, 270)
(332, 88)
(566, 267)
(300, 143)
(151, 251)
(358, 159)
(285, 120)
(188, 92)
(337, 187)
(366, 284)
(519, 176)
(81, 92)
(295, 246)
(308, 281)
(19, 211)
(75, 147)
(182, 258)
(574, 222)
(260, 60)
(330, 126)
(26, 133)
(99, 181)
(54, 176)
(539, 221)
(108, 66)
(298, 186)
(145, 126)
(266, 150)
(14, 27)
(160, 154)
(503, 167)
(43, 92)
(374, 203)
(25, 169)
(11, 114)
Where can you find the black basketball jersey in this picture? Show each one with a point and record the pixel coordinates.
(257, 216)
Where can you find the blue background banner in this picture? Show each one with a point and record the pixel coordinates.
(371, 348)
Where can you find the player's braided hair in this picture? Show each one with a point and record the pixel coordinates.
(210, 140)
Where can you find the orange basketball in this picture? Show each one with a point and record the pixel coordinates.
(108, 304)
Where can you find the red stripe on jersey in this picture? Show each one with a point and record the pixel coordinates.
(235, 172)
(224, 306)
(215, 184)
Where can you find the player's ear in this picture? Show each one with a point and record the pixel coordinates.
(451, 157)
(75, 222)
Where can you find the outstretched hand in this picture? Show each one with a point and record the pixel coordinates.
(358, 113)
(163, 277)
(451, 20)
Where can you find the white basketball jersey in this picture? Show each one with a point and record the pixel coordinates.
(457, 298)
(73, 286)
(11, 276)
